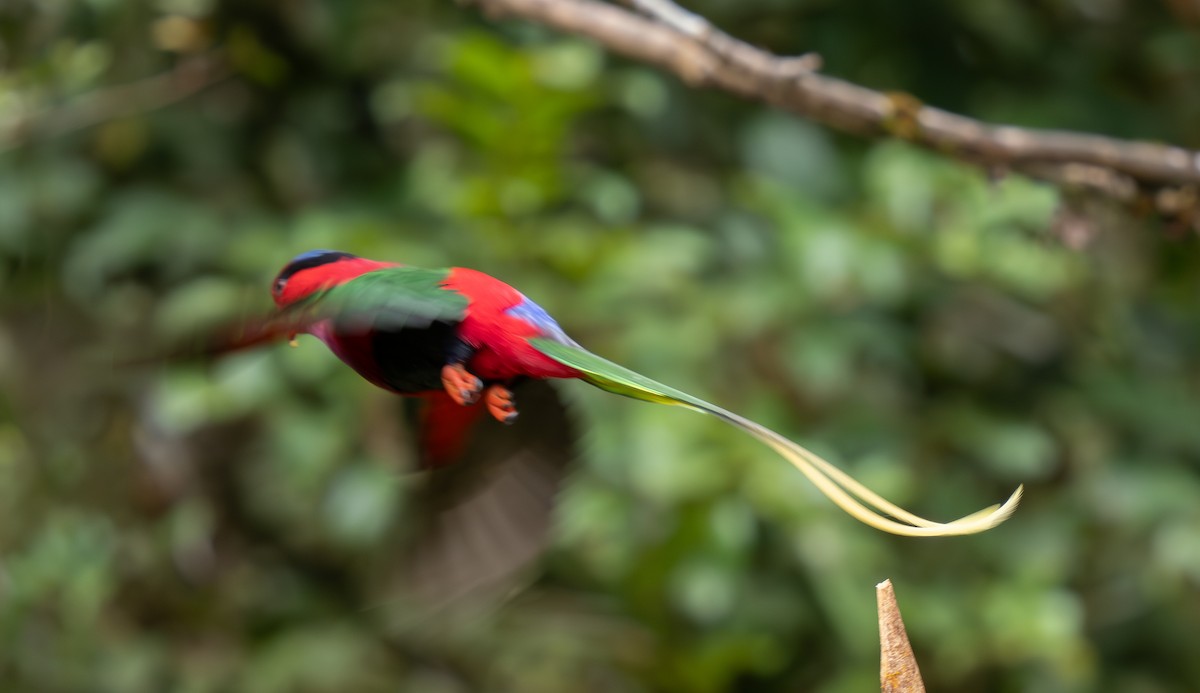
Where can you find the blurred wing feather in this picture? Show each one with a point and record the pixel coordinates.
(388, 299)
(477, 526)
(385, 299)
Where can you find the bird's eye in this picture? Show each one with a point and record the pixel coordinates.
(279, 284)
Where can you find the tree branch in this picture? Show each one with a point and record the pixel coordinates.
(687, 45)
(110, 103)
(728, 48)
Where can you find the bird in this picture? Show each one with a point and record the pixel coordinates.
(462, 341)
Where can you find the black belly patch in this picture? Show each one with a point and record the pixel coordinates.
(411, 359)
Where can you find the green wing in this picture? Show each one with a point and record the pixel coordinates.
(386, 299)
(391, 298)
(839, 487)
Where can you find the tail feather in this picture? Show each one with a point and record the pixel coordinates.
(845, 492)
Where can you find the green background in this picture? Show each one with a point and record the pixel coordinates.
(942, 334)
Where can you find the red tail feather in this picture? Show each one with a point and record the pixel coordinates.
(444, 429)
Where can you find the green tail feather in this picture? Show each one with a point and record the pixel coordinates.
(839, 487)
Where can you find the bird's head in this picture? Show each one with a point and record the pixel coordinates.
(315, 270)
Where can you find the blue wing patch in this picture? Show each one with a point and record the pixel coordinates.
(537, 316)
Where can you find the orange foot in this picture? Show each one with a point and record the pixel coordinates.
(462, 387)
(499, 401)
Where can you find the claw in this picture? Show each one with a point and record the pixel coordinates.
(462, 387)
(500, 405)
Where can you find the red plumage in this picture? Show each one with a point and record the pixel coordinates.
(493, 331)
(500, 337)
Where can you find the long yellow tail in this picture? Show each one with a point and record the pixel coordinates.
(845, 492)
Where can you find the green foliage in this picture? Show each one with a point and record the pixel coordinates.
(906, 316)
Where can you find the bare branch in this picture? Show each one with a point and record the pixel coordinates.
(110, 103)
(725, 46)
(687, 45)
(676, 17)
(898, 671)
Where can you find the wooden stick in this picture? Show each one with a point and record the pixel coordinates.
(898, 671)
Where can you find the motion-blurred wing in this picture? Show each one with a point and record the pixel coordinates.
(385, 300)
(481, 522)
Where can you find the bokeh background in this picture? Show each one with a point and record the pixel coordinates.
(942, 333)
